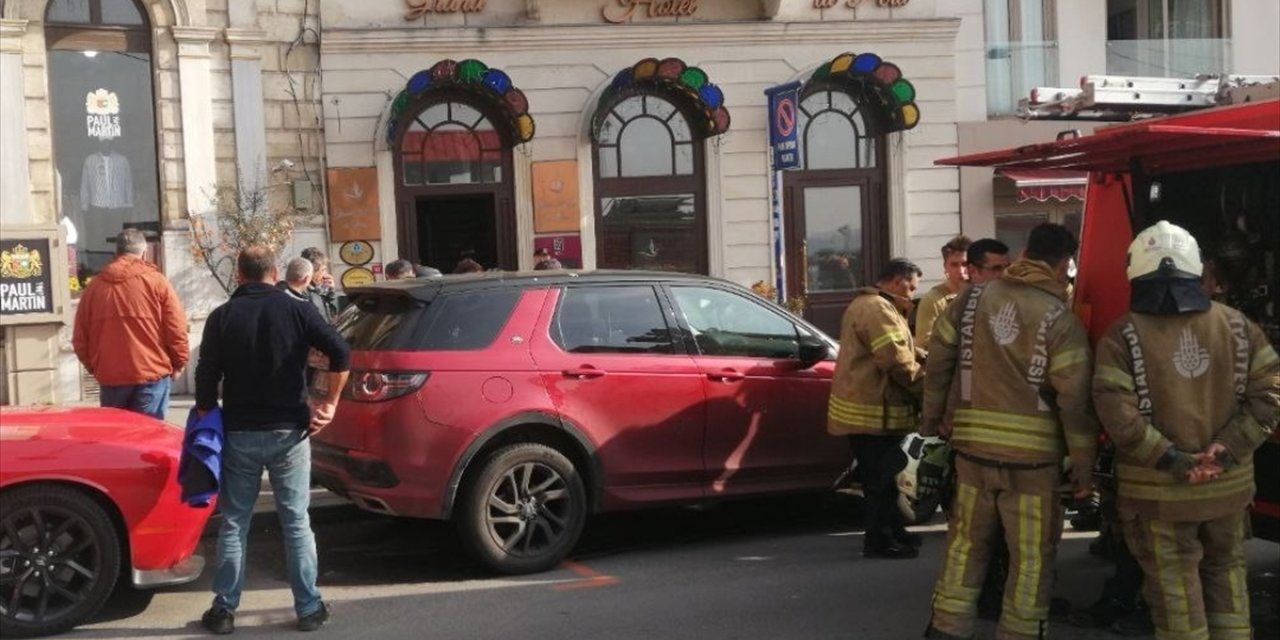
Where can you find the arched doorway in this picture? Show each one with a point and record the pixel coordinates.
(452, 131)
(649, 170)
(836, 206)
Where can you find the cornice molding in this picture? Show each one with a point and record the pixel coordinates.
(576, 37)
(11, 32)
(194, 35)
(245, 43)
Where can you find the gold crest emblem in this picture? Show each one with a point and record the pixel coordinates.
(20, 262)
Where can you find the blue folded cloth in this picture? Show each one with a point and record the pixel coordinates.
(200, 465)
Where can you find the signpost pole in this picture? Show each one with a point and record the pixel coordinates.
(784, 153)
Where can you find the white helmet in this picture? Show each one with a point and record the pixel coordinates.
(1165, 249)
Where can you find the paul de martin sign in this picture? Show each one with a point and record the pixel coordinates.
(26, 280)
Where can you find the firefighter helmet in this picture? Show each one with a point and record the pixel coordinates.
(1164, 250)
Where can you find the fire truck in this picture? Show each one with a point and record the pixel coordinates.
(1202, 153)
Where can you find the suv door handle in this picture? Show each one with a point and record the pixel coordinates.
(583, 373)
(726, 375)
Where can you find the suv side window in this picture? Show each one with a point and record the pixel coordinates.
(624, 319)
(727, 324)
(466, 321)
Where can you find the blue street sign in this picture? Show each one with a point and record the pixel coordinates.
(784, 112)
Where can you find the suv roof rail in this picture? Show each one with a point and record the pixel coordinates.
(1122, 98)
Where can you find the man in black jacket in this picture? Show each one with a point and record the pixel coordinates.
(256, 346)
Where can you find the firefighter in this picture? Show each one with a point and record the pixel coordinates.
(875, 396)
(1010, 432)
(1187, 389)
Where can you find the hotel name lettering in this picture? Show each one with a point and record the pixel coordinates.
(624, 10)
(854, 4)
(417, 8)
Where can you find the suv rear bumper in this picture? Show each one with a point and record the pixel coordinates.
(371, 483)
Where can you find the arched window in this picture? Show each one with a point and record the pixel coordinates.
(103, 120)
(451, 143)
(650, 187)
(836, 135)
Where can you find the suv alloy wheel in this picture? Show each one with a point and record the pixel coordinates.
(524, 510)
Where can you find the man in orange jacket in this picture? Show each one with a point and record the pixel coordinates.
(131, 331)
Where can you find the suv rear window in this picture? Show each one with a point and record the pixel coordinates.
(465, 321)
(452, 322)
(379, 322)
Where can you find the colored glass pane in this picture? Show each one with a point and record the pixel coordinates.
(671, 68)
(517, 101)
(887, 73)
(903, 91)
(646, 68)
(841, 63)
(693, 77)
(420, 82)
(524, 127)
(443, 70)
(866, 63)
(471, 70)
(712, 96)
(401, 101)
(498, 81)
(910, 115)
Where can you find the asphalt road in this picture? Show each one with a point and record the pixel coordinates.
(776, 569)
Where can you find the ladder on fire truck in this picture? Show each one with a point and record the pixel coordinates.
(1123, 98)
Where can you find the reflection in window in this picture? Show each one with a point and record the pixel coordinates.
(451, 143)
(649, 180)
(835, 134)
(725, 324)
(833, 237)
(103, 122)
(649, 232)
(644, 135)
(611, 320)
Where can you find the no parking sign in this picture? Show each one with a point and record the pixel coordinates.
(783, 120)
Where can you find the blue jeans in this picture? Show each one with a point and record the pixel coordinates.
(148, 398)
(286, 455)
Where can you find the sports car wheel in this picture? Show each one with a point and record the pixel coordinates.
(525, 509)
(59, 559)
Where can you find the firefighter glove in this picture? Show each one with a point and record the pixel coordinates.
(1177, 462)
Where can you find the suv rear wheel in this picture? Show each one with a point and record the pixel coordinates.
(524, 510)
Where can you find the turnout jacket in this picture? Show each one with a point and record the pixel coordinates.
(1185, 381)
(931, 305)
(1009, 370)
(876, 388)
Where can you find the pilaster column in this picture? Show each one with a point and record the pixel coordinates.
(246, 91)
(15, 172)
(196, 88)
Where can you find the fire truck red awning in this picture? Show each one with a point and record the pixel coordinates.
(1043, 185)
(1226, 136)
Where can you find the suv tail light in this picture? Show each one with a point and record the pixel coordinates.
(377, 386)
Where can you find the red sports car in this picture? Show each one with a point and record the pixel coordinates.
(87, 493)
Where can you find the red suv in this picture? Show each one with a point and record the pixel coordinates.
(517, 404)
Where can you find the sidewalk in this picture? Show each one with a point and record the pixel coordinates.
(176, 414)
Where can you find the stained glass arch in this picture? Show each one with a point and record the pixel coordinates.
(491, 87)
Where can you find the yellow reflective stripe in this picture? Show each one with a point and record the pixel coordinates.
(1263, 358)
(874, 410)
(1027, 590)
(1079, 440)
(890, 337)
(1173, 590)
(1229, 625)
(1115, 376)
(959, 549)
(1022, 627)
(1151, 443)
(1235, 624)
(942, 328)
(1149, 484)
(1059, 361)
(1011, 421)
(985, 435)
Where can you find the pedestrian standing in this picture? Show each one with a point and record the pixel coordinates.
(255, 346)
(1187, 389)
(399, 270)
(1010, 432)
(131, 331)
(875, 396)
(321, 291)
(297, 278)
(934, 302)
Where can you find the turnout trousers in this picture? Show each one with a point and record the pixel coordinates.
(1195, 576)
(1024, 502)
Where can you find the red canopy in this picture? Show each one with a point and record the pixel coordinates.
(1043, 185)
(1238, 134)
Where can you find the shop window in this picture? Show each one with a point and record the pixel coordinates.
(451, 143)
(1014, 220)
(1021, 51)
(835, 134)
(649, 187)
(104, 133)
(1167, 38)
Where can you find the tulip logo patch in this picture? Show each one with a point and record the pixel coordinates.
(1190, 360)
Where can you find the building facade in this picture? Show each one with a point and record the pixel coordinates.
(615, 133)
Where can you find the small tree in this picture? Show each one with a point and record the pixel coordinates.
(242, 217)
